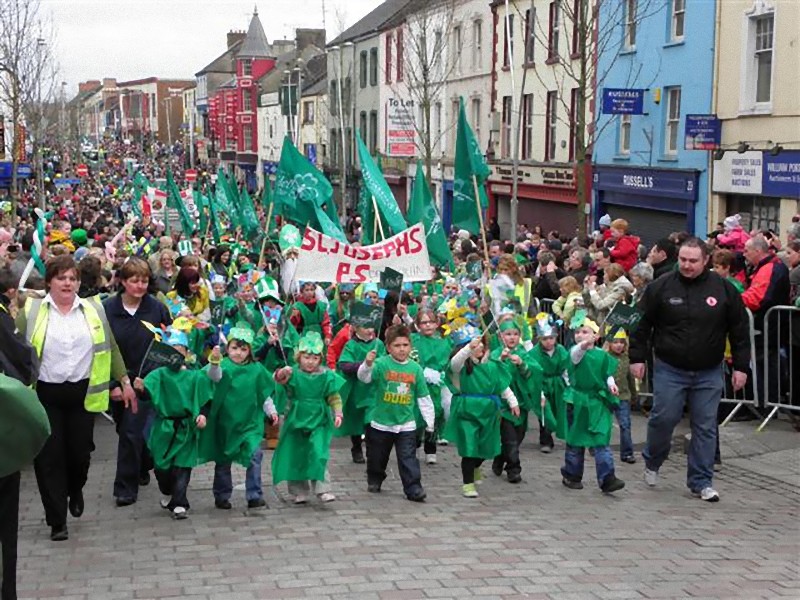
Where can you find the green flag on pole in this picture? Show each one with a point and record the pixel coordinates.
(423, 210)
(470, 167)
(227, 197)
(367, 214)
(378, 188)
(247, 211)
(267, 201)
(213, 216)
(174, 199)
(302, 191)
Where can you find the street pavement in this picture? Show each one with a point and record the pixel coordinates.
(535, 540)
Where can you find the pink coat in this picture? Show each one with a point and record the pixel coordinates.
(734, 239)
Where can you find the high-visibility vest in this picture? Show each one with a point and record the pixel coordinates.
(37, 314)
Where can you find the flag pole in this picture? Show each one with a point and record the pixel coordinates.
(480, 219)
(377, 220)
(266, 237)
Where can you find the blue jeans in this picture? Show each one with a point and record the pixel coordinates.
(623, 413)
(573, 463)
(672, 389)
(223, 484)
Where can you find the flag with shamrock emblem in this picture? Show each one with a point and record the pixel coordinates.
(470, 167)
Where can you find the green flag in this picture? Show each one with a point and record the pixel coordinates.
(367, 214)
(200, 203)
(174, 199)
(267, 200)
(247, 211)
(470, 167)
(423, 210)
(140, 185)
(378, 188)
(227, 197)
(302, 191)
(213, 215)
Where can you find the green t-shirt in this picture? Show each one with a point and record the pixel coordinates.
(397, 387)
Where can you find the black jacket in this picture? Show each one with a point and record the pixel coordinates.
(665, 266)
(17, 358)
(132, 337)
(687, 321)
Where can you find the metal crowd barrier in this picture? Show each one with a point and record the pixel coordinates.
(788, 397)
(749, 394)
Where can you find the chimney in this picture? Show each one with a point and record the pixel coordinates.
(235, 36)
(109, 82)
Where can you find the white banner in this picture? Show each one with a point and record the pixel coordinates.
(323, 258)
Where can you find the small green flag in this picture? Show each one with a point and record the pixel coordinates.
(227, 197)
(367, 216)
(469, 167)
(423, 210)
(174, 199)
(247, 211)
(377, 188)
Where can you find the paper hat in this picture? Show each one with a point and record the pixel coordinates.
(509, 323)
(582, 320)
(347, 287)
(464, 335)
(267, 287)
(311, 343)
(176, 337)
(185, 247)
(242, 332)
(546, 326)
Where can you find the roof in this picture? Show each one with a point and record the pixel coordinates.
(224, 63)
(373, 22)
(255, 43)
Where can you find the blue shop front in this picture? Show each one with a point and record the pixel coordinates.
(655, 202)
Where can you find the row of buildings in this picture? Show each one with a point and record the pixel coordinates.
(670, 113)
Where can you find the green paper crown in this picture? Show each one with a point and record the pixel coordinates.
(242, 332)
(311, 343)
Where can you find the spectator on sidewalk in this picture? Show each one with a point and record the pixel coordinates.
(663, 257)
(686, 318)
(626, 246)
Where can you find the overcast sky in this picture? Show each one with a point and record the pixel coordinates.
(132, 39)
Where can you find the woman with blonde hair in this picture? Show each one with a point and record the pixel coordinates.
(601, 299)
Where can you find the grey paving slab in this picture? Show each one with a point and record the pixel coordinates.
(535, 540)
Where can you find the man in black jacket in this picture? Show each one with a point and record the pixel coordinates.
(687, 317)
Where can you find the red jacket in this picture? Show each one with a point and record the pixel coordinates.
(337, 346)
(626, 251)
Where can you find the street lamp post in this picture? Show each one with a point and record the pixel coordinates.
(343, 174)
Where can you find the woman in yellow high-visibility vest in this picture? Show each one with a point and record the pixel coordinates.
(79, 357)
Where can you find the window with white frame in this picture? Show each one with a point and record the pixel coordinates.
(527, 127)
(476, 119)
(455, 107)
(247, 100)
(530, 34)
(630, 23)
(438, 143)
(555, 30)
(763, 57)
(508, 41)
(457, 49)
(552, 123)
(247, 67)
(477, 44)
(247, 137)
(677, 21)
(505, 139)
(625, 135)
(672, 121)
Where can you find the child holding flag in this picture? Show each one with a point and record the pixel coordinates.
(312, 392)
(481, 386)
(591, 399)
(236, 420)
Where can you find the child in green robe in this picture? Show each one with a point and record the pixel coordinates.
(399, 386)
(480, 388)
(339, 308)
(591, 400)
(526, 383)
(178, 396)
(311, 314)
(236, 420)
(553, 358)
(312, 391)
(432, 352)
(356, 395)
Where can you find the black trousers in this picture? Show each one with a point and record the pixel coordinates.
(379, 447)
(174, 482)
(9, 524)
(511, 437)
(133, 458)
(63, 464)
(468, 466)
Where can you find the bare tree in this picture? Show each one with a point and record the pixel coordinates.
(426, 68)
(26, 45)
(590, 29)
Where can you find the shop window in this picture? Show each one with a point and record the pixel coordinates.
(757, 212)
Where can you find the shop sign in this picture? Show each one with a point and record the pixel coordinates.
(782, 174)
(400, 130)
(737, 173)
(648, 182)
(549, 176)
(702, 132)
(623, 101)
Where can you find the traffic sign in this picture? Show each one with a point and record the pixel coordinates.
(191, 175)
(82, 170)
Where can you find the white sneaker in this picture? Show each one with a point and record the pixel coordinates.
(430, 459)
(442, 442)
(165, 500)
(179, 512)
(300, 499)
(325, 497)
(650, 477)
(708, 494)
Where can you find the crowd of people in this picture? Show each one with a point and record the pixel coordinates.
(199, 349)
